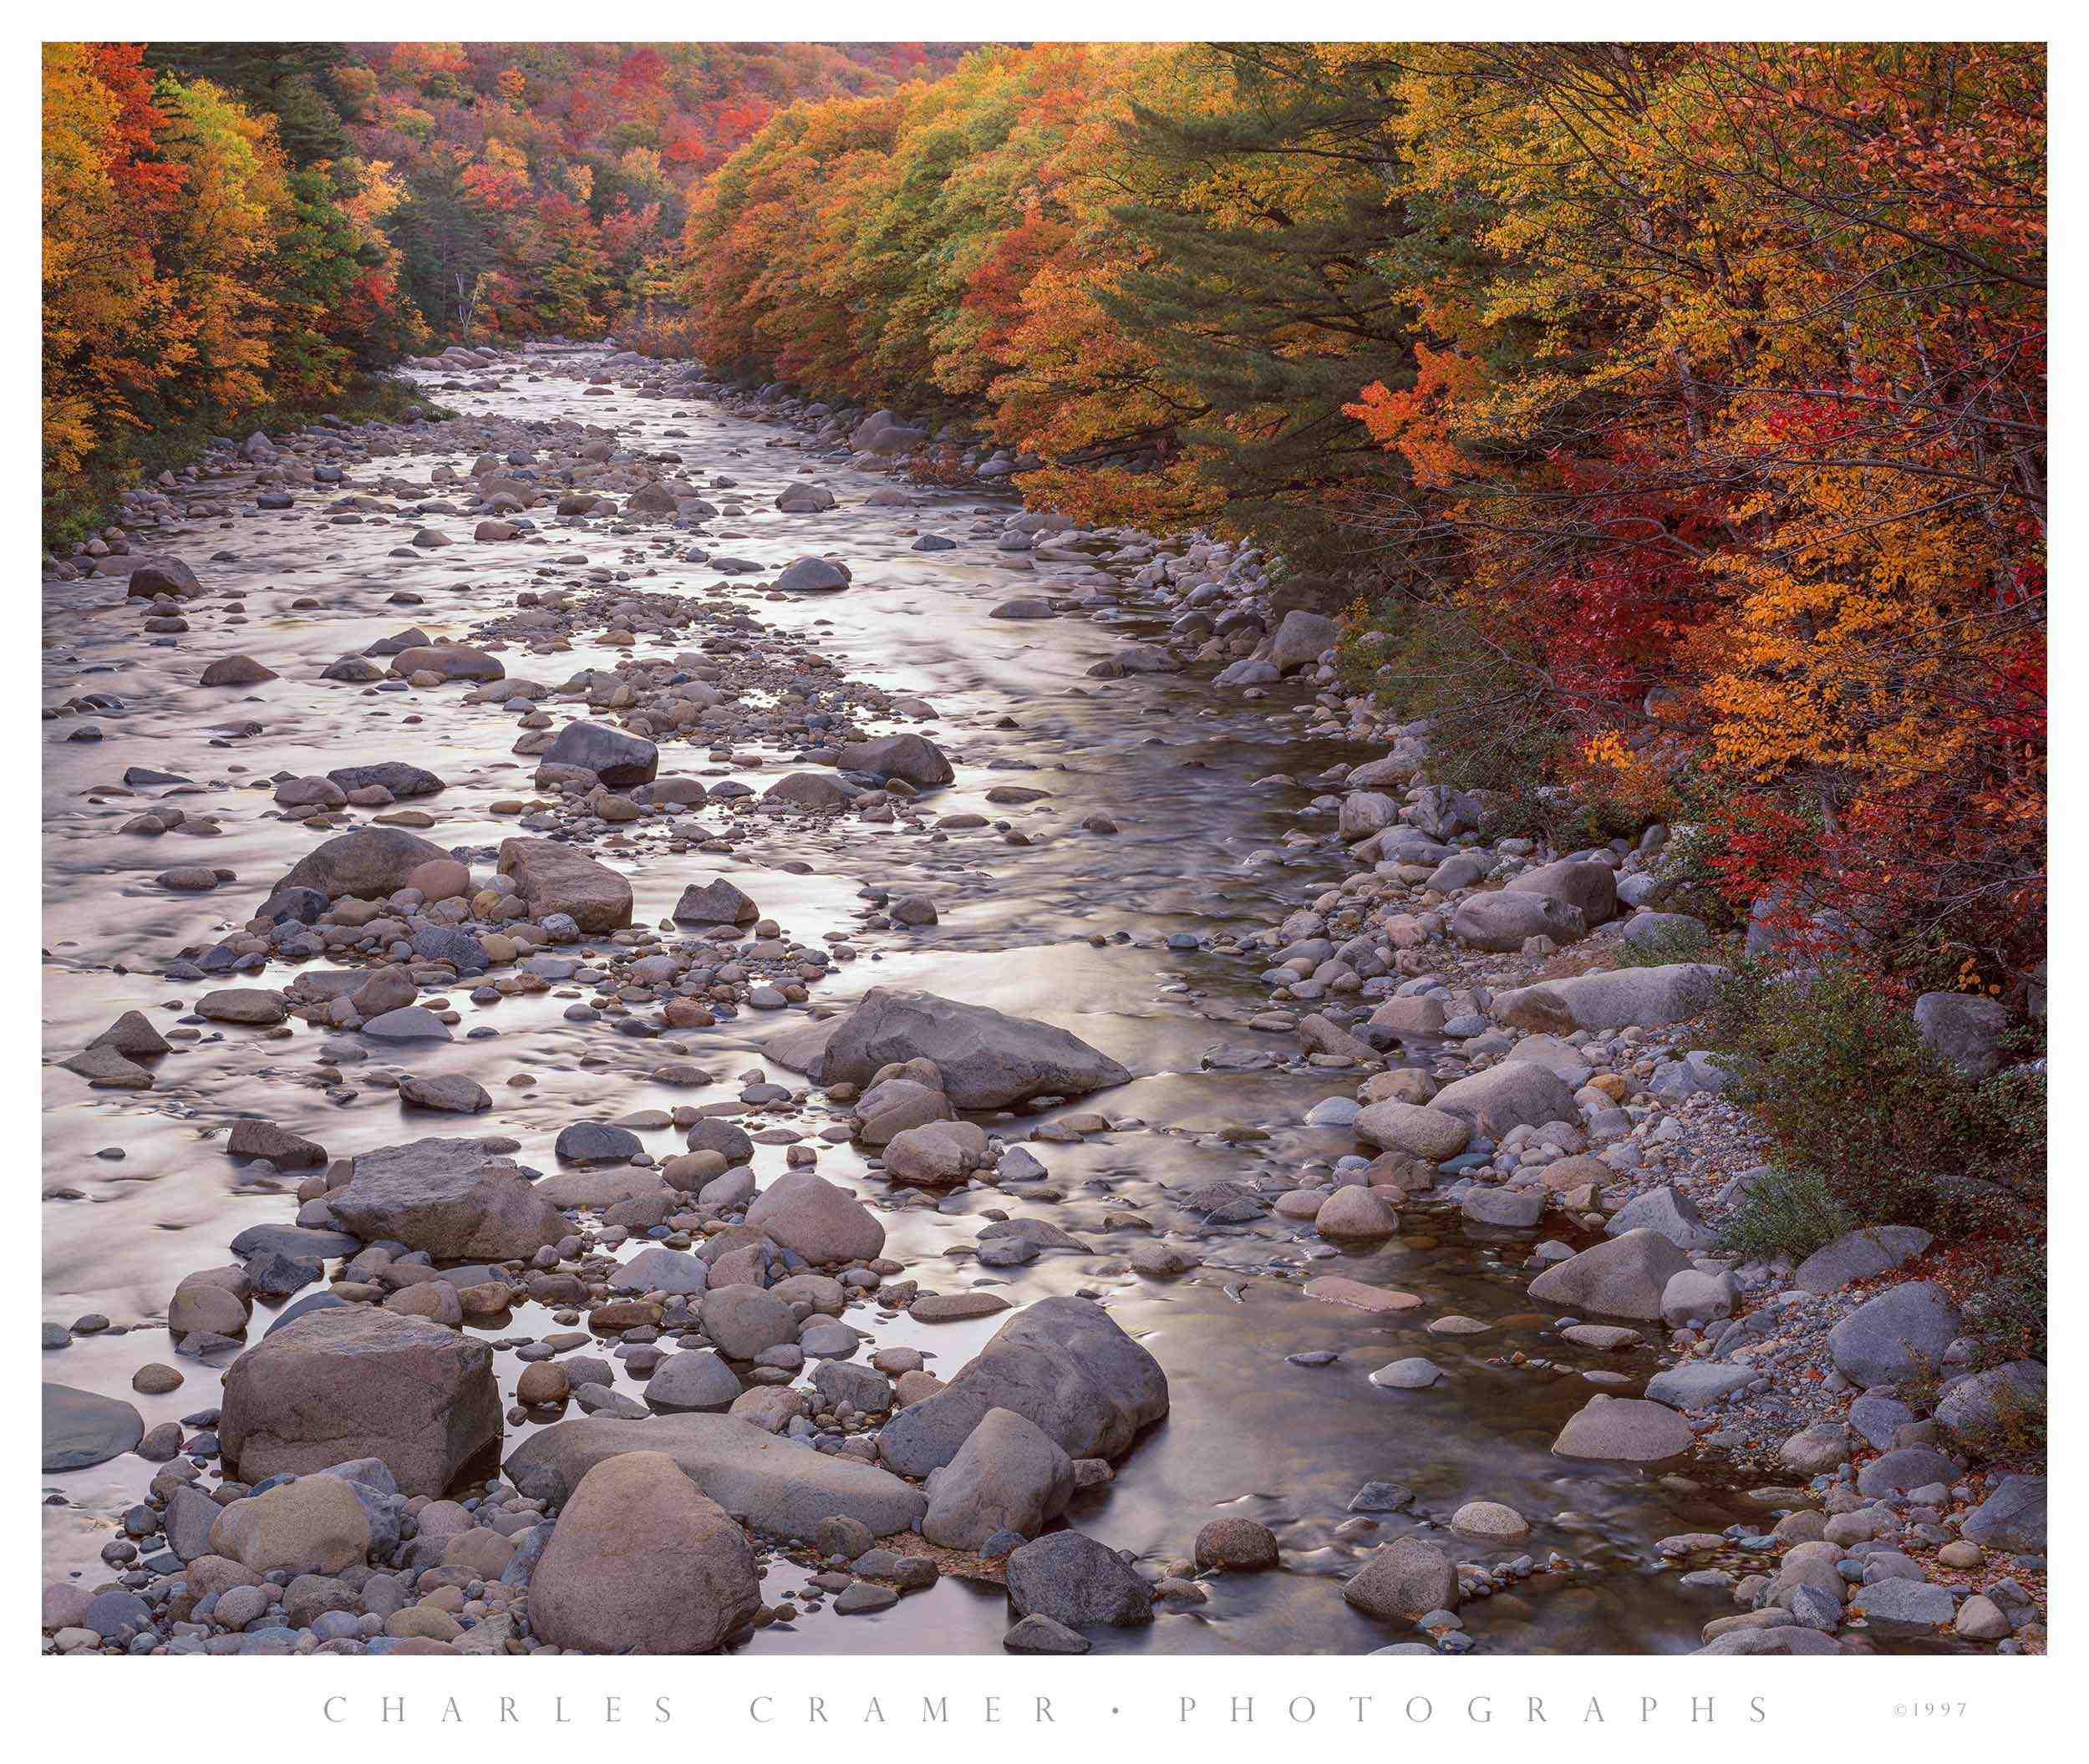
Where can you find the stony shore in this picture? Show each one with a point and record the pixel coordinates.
(719, 1404)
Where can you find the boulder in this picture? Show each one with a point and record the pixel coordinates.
(692, 1383)
(641, 1561)
(910, 756)
(1903, 1332)
(938, 1154)
(1299, 641)
(1062, 1363)
(804, 1212)
(1624, 1430)
(1590, 888)
(1516, 1093)
(1007, 1476)
(812, 575)
(81, 1428)
(988, 1059)
(616, 758)
(714, 903)
(452, 661)
(396, 776)
(449, 1197)
(1429, 1133)
(560, 878)
(314, 1526)
(1962, 1030)
(369, 864)
(743, 1320)
(1623, 1278)
(2012, 1519)
(1617, 998)
(1071, 1578)
(1859, 1255)
(1404, 1580)
(1504, 921)
(774, 1484)
(355, 1381)
(1983, 1410)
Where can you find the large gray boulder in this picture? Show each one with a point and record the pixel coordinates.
(1962, 1029)
(81, 1428)
(988, 1059)
(356, 1381)
(1301, 640)
(1859, 1255)
(1071, 1578)
(1983, 1410)
(1405, 1580)
(1590, 888)
(450, 1197)
(803, 1211)
(1007, 1476)
(617, 758)
(552, 877)
(1501, 920)
(367, 864)
(2012, 1519)
(1623, 1278)
(774, 1484)
(913, 757)
(1624, 1430)
(1419, 1131)
(1617, 998)
(1515, 1094)
(642, 1562)
(1903, 1332)
(1063, 1365)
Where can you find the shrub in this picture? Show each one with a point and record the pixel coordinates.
(1870, 1127)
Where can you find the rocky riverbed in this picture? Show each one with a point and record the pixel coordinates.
(661, 1038)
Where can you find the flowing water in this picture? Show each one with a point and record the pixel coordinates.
(1069, 929)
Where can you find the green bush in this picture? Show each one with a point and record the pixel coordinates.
(1870, 1127)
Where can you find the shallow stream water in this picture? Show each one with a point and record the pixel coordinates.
(1200, 849)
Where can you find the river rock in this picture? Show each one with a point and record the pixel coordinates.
(1429, 1133)
(988, 1059)
(1063, 1365)
(357, 1381)
(714, 903)
(641, 1561)
(617, 758)
(1624, 1430)
(2013, 1517)
(1515, 1094)
(775, 1484)
(1903, 1332)
(1504, 921)
(913, 757)
(1859, 1255)
(693, 1382)
(1620, 998)
(558, 878)
(1590, 888)
(802, 1212)
(81, 1428)
(1406, 1578)
(449, 1197)
(313, 1525)
(1069, 1578)
(1007, 1476)
(369, 864)
(1623, 1278)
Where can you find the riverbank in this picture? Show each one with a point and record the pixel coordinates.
(1145, 901)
